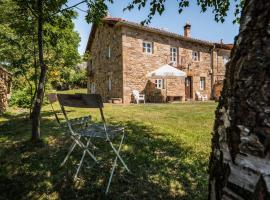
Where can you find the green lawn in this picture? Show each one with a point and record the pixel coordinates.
(167, 149)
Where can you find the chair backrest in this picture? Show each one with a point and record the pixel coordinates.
(136, 93)
(80, 100)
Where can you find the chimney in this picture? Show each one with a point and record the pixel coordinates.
(187, 29)
(221, 41)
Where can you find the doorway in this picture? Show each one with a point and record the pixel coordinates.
(188, 87)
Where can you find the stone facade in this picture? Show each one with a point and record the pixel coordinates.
(106, 63)
(5, 84)
(127, 68)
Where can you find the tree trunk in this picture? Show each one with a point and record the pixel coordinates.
(42, 78)
(240, 160)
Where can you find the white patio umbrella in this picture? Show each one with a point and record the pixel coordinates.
(166, 72)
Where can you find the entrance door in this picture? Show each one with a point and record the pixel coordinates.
(188, 86)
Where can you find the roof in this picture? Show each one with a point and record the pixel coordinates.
(3, 69)
(122, 22)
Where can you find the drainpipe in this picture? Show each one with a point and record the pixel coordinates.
(212, 70)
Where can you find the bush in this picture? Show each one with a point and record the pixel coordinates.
(21, 98)
(78, 79)
(69, 79)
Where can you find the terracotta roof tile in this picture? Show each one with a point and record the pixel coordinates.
(120, 21)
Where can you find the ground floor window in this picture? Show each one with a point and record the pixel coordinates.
(202, 83)
(110, 84)
(93, 88)
(159, 83)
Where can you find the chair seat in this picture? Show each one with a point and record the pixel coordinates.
(80, 120)
(97, 131)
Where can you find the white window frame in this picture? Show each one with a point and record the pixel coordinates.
(173, 54)
(110, 83)
(109, 52)
(195, 55)
(93, 88)
(159, 83)
(148, 47)
(202, 83)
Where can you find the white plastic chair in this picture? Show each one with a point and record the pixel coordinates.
(138, 97)
(201, 97)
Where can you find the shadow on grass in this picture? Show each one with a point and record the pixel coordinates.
(162, 168)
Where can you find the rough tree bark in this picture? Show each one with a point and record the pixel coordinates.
(240, 160)
(42, 78)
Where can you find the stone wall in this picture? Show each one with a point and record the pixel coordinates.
(137, 64)
(104, 67)
(128, 66)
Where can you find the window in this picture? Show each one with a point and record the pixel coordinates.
(92, 65)
(93, 88)
(159, 83)
(110, 84)
(109, 52)
(202, 83)
(147, 47)
(225, 59)
(173, 54)
(195, 56)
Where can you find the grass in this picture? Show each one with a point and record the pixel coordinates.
(167, 149)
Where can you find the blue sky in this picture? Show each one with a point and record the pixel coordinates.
(203, 25)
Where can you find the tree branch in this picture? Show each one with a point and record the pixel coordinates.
(31, 10)
(78, 8)
(84, 1)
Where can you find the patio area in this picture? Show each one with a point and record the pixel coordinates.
(167, 149)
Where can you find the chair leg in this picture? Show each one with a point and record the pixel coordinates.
(69, 152)
(114, 165)
(118, 155)
(81, 161)
(87, 150)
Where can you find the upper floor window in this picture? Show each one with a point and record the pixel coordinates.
(195, 55)
(159, 83)
(91, 65)
(173, 54)
(202, 83)
(147, 47)
(109, 52)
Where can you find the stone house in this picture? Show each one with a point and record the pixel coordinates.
(122, 53)
(5, 85)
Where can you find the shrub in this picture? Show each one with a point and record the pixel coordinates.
(21, 98)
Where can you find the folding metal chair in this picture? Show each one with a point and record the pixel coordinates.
(97, 130)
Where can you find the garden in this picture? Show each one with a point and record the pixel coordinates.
(167, 149)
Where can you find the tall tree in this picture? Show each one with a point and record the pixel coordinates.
(239, 162)
(18, 39)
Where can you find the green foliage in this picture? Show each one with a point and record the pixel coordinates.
(69, 78)
(219, 7)
(78, 78)
(21, 98)
(18, 44)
